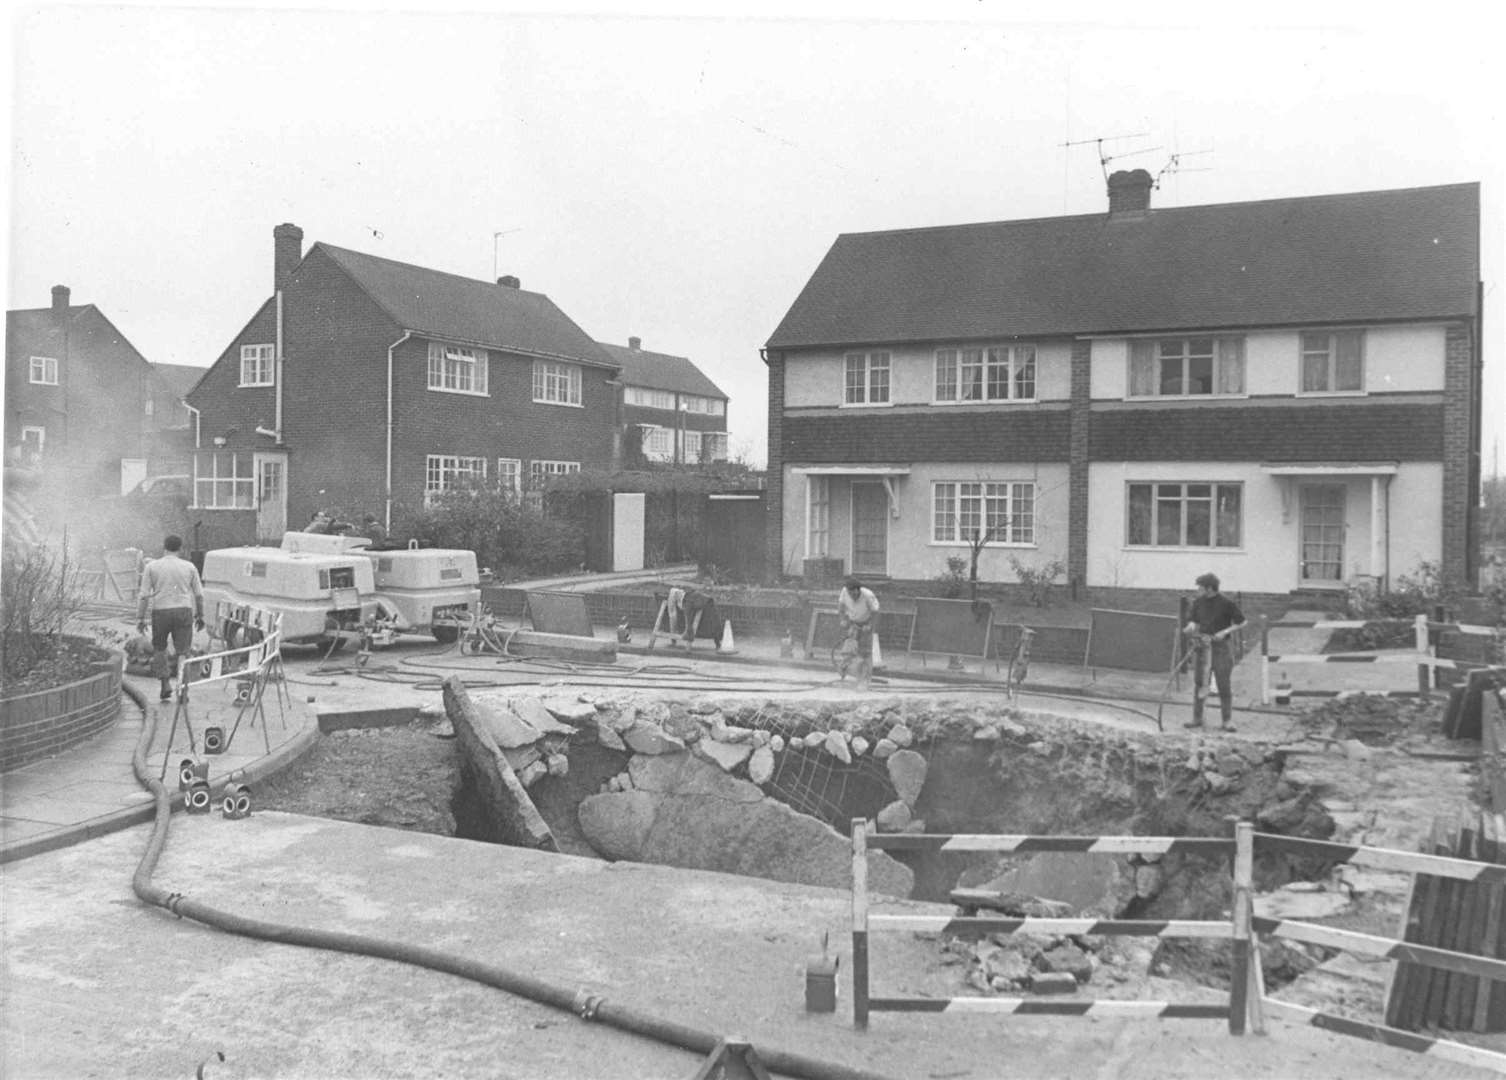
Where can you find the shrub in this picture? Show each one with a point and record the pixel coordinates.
(39, 593)
(507, 536)
(953, 579)
(1411, 595)
(1038, 583)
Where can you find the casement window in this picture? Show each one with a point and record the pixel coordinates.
(510, 476)
(555, 383)
(866, 379)
(818, 539)
(539, 472)
(995, 373)
(1185, 515)
(456, 370)
(1187, 367)
(44, 370)
(697, 404)
(1002, 511)
(714, 446)
(257, 365)
(224, 480)
(1333, 363)
(446, 472)
(658, 443)
(649, 399)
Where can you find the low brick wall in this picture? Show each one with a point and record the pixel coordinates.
(45, 723)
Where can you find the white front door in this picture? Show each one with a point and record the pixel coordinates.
(132, 472)
(271, 497)
(1322, 527)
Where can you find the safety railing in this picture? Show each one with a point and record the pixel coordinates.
(1236, 929)
(1422, 658)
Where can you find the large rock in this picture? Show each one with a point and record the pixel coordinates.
(1093, 884)
(570, 711)
(506, 728)
(645, 738)
(907, 770)
(533, 713)
(686, 812)
(728, 756)
(761, 765)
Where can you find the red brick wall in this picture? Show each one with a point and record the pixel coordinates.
(1079, 455)
(1460, 452)
(774, 501)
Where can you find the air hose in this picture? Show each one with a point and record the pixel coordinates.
(582, 1003)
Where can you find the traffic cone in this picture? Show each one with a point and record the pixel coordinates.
(878, 656)
(726, 645)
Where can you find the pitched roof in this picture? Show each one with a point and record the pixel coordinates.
(28, 328)
(465, 310)
(661, 371)
(179, 378)
(1380, 255)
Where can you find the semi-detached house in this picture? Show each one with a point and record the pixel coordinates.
(1285, 392)
(678, 414)
(369, 385)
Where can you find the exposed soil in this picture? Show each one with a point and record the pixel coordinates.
(61, 661)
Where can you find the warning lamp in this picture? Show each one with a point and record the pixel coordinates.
(235, 801)
(190, 772)
(197, 800)
(214, 740)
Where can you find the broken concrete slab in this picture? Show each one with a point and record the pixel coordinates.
(727, 756)
(907, 772)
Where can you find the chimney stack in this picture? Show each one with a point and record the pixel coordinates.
(60, 296)
(635, 343)
(287, 250)
(508, 281)
(1129, 190)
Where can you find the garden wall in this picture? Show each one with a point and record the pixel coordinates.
(45, 723)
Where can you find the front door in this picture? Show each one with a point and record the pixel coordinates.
(271, 497)
(870, 528)
(1322, 534)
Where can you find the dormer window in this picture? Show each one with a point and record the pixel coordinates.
(256, 365)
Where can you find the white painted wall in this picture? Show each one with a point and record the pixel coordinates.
(1398, 359)
(1268, 561)
(815, 379)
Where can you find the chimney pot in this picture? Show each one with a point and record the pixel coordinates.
(1129, 190)
(60, 294)
(635, 343)
(508, 281)
(287, 250)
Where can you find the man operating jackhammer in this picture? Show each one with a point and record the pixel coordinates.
(1210, 621)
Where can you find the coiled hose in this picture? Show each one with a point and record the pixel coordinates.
(582, 1003)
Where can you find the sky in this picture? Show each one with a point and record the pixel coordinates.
(677, 177)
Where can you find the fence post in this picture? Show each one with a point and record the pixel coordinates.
(1265, 662)
(1244, 883)
(1424, 672)
(860, 922)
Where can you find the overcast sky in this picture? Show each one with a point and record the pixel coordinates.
(676, 178)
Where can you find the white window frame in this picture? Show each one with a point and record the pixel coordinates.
(44, 370)
(987, 501)
(445, 472)
(998, 374)
(41, 434)
(456, 369)
(556, 383)
(258, 365)
(1308, 348)
(818, 517)
(228, 484)
(510, 476)
(1226, 366)
(690, 447)
(873, 385)
(540, 469)
(720, 449)
(645, 398)
(1160, 493)
(658, 442)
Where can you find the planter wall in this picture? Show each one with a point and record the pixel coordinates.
(47, 722)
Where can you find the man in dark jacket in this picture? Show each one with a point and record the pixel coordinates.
(1210, 621)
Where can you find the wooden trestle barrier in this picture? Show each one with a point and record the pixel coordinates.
(1248, 1004)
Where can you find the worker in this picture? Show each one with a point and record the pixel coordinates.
(372, 529)
(170, 586)
(857, 609)
(1210, 620)
(319, 522)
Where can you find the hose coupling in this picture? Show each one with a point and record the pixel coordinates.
(586, 1005)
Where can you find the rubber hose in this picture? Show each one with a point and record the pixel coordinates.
(583, 1004)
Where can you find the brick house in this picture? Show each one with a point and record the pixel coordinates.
(1285, 392)
(83, 403)
(367, 385)
(669, 407)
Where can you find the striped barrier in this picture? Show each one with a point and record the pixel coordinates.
(1444, 1049)
(1406, 862)
(1383, 948)
(1356, 624)
(1244, 995)
(1423, 660)
(1368, 658)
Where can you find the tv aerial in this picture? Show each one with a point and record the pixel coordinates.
(1105, 158)
(1174, 165)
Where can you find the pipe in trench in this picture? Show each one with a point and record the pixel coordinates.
(583, 1004)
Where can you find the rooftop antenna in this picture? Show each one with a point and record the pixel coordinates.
(1104, 159)
(499, 234)
(1174, 165)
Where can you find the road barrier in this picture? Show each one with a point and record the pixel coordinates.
(1248, 1003)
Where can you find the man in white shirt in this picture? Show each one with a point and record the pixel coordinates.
(857, 609)
(171, 587)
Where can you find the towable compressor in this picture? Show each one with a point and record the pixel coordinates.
(327, 585)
